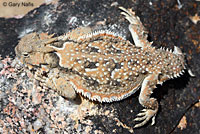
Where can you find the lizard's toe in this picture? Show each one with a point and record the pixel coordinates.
(145, 116)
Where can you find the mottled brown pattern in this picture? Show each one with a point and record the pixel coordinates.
(101, 65)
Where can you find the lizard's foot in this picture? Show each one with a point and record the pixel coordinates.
(145, 116)
(57, 81)
(130, 16)
(39, 76)
(138, 31)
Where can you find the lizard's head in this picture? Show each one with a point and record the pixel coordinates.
(32, 50)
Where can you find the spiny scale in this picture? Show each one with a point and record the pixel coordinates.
(108, 67)
(102, 65)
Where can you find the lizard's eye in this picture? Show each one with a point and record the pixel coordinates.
(25, 54)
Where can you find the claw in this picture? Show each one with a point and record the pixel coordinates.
(153, 120)
(44, 85)
(38, 76)
(145, 116)
(126, 12)
(43, 80)
(130, 16)
(141, 114)
(140, 118)
(144, 110)
(140, 124)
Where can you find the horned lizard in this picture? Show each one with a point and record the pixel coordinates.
(102, 65)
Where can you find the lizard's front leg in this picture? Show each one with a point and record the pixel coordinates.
(58, 81)
(150, 104)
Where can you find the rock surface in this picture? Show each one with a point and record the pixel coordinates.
(26, 107)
